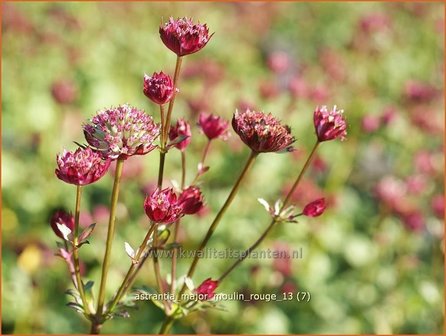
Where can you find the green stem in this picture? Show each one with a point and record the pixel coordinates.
(161, 169)
(110, 235)
(302, 172)
(248, 251)
(157, 269)
(175, 84)
(131, 273)
(205, 153)
(173, 272)
(77, 272)
(219, 216)
(167, 324)
(162, 126)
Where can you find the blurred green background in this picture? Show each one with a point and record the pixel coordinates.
(368, 268)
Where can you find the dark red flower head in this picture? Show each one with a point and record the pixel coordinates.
(206, 291)
(329, 125)
(61, 217)
(262, 132)
(315, 208)
(184, 37)
(81, 167)
(213, 126)
(181, 129)
(158, 88)
(162, 206)
(191, 199)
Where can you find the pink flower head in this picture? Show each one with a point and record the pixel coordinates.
(391, 191)
(206, 290)
(162, 206)
(213, 126)
(81, 167)
(158, 88)
(413, 220)
(181, 129)
(329, 125)
(191, 199)
(437, 204)
(370, 123)
(262, 132)
(61, 217)
(120, 132)
(184, 37)
(315, 208)
(64, 91)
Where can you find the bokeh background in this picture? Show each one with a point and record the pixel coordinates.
(373, 262)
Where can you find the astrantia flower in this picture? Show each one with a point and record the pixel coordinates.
(262, 132)
(213, 126)
(162, 206)
(329, 125)
(81, 167)
(120, 132)
(315, 208)
(158, 88)
(181, 129)
(184, 37)
(206, 291)
(61, 217)
(191, 199)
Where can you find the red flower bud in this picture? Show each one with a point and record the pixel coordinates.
(184, 37)
(182, 128)
(207, 288)
(191, 199)
(315, 208)
(61, 217)
(162, 206)
(158, 88)
(213, 126)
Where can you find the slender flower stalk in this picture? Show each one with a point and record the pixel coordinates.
(110, 234)
(77, 271)
(176, 77)
(201, 167)
(219, 216)
(176, 227)
(133, 270)
(157, 269)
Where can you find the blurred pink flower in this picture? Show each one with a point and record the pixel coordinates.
(81, 167)
(64, 91)
(416, 184)
(298, 87)
(413, 220)
(437, 204)
(213, 126)
(370, 123)
(268, 90)
(278, 61)
(417, 91)
(184, 37)
(283, 264)
(390, 191)
(374, 22)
